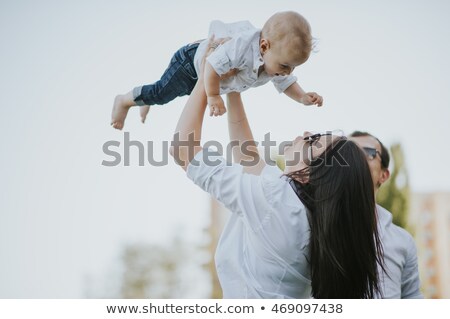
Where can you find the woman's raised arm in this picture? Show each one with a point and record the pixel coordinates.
(187, 136)
(244, 147)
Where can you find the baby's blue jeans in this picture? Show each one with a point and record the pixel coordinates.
(177, 80)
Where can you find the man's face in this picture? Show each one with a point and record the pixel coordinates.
(379, 174)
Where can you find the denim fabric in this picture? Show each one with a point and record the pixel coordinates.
(177, 80)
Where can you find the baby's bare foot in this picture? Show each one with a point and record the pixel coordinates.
(144, 111)
(119, 112)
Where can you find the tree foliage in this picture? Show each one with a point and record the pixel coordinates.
(394, 194)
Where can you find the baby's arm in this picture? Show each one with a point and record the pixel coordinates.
(212, 87)
(296, 93)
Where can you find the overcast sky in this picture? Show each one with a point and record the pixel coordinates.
(381, 66)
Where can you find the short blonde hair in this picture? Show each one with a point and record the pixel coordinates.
(290, 31)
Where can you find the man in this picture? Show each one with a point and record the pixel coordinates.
(401, 279)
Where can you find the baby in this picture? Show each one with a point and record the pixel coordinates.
(253, 56)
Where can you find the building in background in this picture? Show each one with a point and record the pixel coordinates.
(430, 218)
(218, 216)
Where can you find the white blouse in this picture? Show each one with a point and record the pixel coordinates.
(263, 249)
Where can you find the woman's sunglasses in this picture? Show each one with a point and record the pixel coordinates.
(311, 139)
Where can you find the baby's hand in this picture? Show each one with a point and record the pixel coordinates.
(311, 98)
(216, 105)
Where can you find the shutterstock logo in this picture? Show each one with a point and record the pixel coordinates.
(121, 152)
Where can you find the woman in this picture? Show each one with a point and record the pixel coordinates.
(308, 232)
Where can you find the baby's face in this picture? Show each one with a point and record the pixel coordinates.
(278, 62)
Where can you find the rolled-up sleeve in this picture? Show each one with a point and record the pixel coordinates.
(220, 61)
(242, 193)
(229, 55)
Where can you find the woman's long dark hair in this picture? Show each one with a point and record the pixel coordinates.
(345, 247)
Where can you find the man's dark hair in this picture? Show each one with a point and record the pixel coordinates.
(385, 158)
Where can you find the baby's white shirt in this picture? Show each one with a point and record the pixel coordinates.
(242, 53)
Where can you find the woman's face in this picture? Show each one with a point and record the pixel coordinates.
(301, 152)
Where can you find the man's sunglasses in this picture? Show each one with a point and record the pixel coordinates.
(371, 153)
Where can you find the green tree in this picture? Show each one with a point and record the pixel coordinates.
(149, 271)
(394, 194)
(155, 271)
